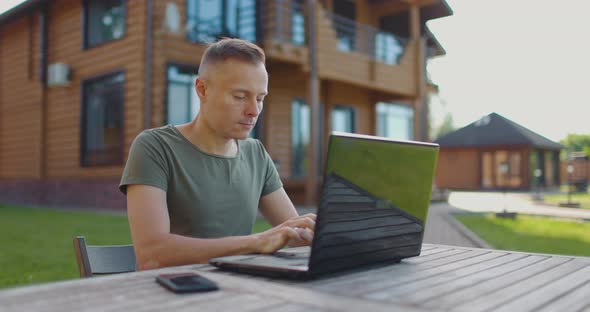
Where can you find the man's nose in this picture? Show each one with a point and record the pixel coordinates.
(253, 108)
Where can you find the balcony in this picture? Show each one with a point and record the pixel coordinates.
(348, 51)
(284, 31)
(364, 55)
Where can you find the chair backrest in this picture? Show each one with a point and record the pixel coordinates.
(95, 260)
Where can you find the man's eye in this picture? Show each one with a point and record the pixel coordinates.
(239, 97)
(260, 100)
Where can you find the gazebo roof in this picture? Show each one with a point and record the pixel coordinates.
(496, 130)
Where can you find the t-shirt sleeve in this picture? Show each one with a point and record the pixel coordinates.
(272, 180)
(146, 164)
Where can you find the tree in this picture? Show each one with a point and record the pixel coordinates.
(445, 127)
(577, 143)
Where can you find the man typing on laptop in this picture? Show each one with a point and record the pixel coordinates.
(194, 190)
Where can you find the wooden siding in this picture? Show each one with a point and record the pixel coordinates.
(464, 168)
(20, 99)
(352, 96)
(458, 169)
(285, 85)
(64, 103)
(581, 170)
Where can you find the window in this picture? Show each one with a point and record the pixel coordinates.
(298, 23)
(345, 24)
(300, 128)
(104, 20)
(343, 119)
(208, 20)
(182, 104)
(395, 121)
(388, 48)
(102, 120)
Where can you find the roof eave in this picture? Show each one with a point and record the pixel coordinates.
(19, 10)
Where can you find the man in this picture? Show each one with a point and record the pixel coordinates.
(193, 190)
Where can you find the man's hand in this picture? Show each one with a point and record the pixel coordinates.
(297, 231)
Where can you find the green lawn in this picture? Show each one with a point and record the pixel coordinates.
(582, 198)
(37, 243)
(532, 234)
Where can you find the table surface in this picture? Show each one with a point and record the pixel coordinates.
(441, 278)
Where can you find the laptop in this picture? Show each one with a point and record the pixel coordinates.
(372, 210)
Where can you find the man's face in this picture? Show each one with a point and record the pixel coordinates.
(231, 96)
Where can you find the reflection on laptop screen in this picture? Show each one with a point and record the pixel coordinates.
(374, 202)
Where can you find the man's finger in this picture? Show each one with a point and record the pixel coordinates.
(302, 222)
(310, 215)
(305, 234)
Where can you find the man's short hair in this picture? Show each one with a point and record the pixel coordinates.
(227, 48)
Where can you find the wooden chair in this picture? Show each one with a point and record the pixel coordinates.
(97, 260)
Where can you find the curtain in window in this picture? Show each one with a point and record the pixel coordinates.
(395, 121)
(183, 103)
(300, 136)
(105, 21)
(343, 119)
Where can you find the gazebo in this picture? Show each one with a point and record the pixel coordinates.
(498, 154)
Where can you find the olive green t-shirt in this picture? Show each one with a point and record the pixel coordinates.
(208, 195)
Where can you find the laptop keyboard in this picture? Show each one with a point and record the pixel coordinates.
(293, 253)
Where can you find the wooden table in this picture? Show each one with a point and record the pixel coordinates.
(442, 278)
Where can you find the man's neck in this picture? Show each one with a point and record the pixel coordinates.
(198, 133)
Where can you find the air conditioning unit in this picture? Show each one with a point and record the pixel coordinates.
(58, 74)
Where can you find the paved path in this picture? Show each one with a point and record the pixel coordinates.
(442, 228)
(513, 202)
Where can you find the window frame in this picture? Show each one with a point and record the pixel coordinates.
(83, 124)
(224, 3)
(298, 7)
(184, 66)
(85, 19)
(348, 108)
(399, 104)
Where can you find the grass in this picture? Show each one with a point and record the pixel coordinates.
(531, 234)
(37, 243)
(582, 198)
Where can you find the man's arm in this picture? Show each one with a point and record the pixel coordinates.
(277, 208)
(156, 247)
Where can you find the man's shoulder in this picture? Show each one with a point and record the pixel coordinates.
(155, 134)
(251, 145)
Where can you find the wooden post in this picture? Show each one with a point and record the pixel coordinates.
(420, 109)
(311, 187)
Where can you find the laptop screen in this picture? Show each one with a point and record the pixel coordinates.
(374, 201)
(400, 172)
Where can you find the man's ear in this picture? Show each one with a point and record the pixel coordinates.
(201, 87)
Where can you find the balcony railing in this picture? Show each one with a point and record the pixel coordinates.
(208, 21)
(378, 44)
(285, 21)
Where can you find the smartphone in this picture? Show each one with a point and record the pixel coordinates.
(186, 282)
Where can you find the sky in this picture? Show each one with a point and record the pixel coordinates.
(7, 4)
(528, 60)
